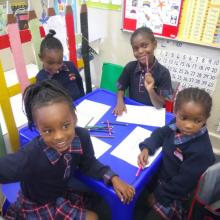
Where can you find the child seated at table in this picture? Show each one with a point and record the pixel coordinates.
(46, 164)
(148, 81)
(51, 55)
(187, 153)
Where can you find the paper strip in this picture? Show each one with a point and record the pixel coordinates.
(17, 52)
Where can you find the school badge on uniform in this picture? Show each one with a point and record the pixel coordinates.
(178, 153)
(72, 76)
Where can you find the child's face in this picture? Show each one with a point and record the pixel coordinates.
(52, 60)
(56, 124)
(190, 118)
(143, 47)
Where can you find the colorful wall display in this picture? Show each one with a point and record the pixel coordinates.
(162, 16)
(193, 21)
(104, 4)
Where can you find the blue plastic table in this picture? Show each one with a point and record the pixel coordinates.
(123, 169)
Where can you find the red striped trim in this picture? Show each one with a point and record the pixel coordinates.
(25, 36)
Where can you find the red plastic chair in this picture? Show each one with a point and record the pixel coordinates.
(169, 103)
(206, 201)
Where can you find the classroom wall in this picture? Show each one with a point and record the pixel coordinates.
(7, 59)
(115, 48)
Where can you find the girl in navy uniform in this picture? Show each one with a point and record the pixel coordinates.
(51, 55)
(187, 153)
(147, 80)
(44, 166)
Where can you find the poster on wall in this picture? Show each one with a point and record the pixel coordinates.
(199, 68)
(162, 16)
(200, 22)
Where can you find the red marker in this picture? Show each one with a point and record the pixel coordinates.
(147, 64)
(139, 170)
(109, 129)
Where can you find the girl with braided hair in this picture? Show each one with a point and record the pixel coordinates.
(44, 166)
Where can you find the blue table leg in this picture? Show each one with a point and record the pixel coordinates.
(119, 210)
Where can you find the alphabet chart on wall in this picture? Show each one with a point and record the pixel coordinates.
(200, 68)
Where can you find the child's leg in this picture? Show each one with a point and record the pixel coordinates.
(152, 215)
(97, 204)
(4, 203)
(90, 215)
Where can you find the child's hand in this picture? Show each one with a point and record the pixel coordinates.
(149, 81)
(124, 191)
(119, 109)
(143, 158)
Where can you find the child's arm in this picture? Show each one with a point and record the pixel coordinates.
(92, 167)
(155, 141)
(14, 167)
(124, 191)
(120, 106)
(157, 100)
(143, 158)
(123, 83)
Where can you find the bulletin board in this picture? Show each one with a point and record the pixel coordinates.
(162, 16)
(191, 21)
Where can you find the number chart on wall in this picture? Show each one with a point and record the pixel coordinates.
(161, 16)
(200, 68)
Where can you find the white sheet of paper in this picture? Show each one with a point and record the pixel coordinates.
(144, 115)
(93, 109)
(83, 119)
(100, 147)
(128, 150)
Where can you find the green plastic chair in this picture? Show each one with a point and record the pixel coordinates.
(110, 75)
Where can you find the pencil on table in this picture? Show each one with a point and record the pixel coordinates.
(98, 127)
(100, 136)
(97, 130)
(115, 123)
(109, 129)
(89, 122)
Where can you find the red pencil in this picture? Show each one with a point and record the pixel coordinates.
(147, 64)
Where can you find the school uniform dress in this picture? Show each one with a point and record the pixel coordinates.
(132, 77)
(68, 76)
(185, 158)
(44, 174)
